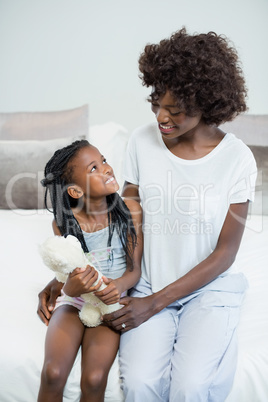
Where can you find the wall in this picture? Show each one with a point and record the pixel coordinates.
(59, 54)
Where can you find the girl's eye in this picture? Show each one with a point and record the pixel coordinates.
(93, 168)
(104, 161)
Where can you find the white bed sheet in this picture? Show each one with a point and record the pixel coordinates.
(23, 275)
(251, 379)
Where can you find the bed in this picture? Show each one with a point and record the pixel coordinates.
(25, 224)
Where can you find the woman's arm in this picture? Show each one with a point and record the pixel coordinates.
(47, 300)
(138, 310)
(215, 264)
(112, 293)
(131, 191)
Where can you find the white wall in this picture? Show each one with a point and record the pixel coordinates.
(60, 54)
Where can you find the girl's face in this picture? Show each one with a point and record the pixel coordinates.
(172, 120)
(92, 175)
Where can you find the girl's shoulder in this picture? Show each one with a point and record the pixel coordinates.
(55, 228)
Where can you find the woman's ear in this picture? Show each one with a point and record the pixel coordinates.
(75, 191)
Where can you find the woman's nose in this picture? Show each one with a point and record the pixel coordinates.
(161, 115)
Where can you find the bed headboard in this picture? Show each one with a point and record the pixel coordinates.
(253, 130)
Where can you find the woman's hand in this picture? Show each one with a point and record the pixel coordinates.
(112, 293)
(81, 281)
(47, 300)
(136, 310)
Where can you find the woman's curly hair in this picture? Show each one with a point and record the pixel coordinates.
(202, 71)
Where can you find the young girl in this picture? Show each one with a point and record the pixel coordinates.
(82, 189)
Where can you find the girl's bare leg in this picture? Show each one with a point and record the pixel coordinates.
(64, 336)
(99, 348)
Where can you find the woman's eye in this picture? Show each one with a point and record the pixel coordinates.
(175, 114)
(154, 108)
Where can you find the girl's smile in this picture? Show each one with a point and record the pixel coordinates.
(110, 180)
(92, 174)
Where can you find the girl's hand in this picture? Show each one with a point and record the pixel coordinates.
(81, 280)
(136, 310)
(47, 300)
(112, 293)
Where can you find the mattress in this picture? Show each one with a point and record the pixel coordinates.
(23, 275)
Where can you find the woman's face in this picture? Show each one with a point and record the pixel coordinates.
(172, 120)
(92, 173)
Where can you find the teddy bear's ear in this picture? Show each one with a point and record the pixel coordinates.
(75, 191)
(72, 241)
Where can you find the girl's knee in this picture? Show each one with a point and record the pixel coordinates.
(53, 376)
(93, 381)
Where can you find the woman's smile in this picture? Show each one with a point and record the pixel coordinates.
(166, 129)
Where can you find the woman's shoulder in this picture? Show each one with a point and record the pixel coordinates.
(238, 151)
(234, 144)
(149, 128)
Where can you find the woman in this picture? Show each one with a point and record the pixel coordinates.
(194, 182)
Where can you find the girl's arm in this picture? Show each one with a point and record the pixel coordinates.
(112, 293)
(138, 310)
(47, 297)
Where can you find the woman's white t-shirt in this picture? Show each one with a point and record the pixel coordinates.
(184, 202)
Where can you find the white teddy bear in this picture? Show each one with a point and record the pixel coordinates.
(63, 255)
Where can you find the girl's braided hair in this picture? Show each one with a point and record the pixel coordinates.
(58, 176)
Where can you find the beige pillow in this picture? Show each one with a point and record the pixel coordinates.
(44, 125)
(21, 169)
(260, 205)
(250, 128)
